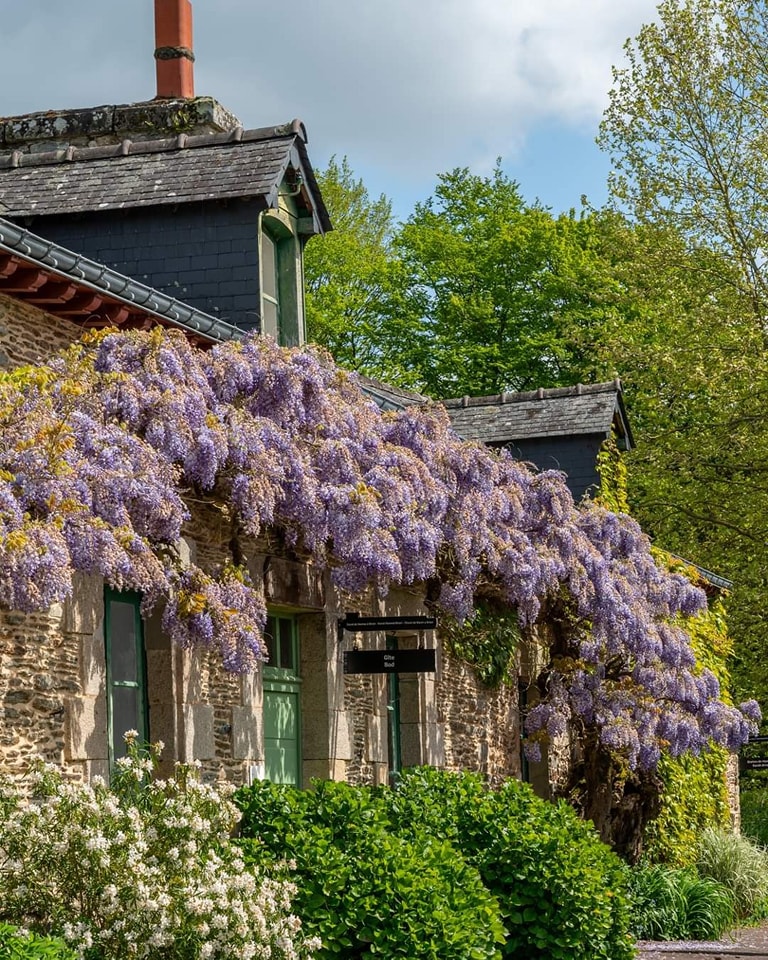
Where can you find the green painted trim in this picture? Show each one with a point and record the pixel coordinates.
(279, 227)
(283, 680)
(394, 729)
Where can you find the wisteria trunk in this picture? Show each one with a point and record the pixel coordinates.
(619, 803)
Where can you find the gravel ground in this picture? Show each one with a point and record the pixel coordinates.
(749, 942)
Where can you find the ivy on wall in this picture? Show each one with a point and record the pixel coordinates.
(695, 792)
(488, 641)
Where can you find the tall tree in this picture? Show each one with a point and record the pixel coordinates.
(501, 285)
(686, 129)
(357, 296)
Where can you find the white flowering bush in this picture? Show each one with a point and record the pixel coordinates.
(144, 868)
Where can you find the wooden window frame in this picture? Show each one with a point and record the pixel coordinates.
(140, 683)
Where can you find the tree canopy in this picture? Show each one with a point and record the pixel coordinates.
(685, 129)
(104, 448)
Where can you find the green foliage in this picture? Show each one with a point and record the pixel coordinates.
(357, 301)
(19, 945)
(562, 892)
(363, 889)
(685, 127)
(686, 131)
(502, 287)
(739, 865)
(488, 641)
(674, 904)
(695, 794)
(695, 797)
(754, 814)
(612, 471)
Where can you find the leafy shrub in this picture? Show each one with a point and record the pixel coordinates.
(675, 904)
(754, 813)
(146, 868)
(739, 865)
(562, 891)
(16, 944)
(362, 889)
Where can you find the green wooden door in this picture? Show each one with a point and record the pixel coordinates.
(282, 702)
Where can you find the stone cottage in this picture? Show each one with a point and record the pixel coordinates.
(170, 213)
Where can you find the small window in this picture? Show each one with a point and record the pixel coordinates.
(282, 300)
(270, 286)
(281, 637)
(126, 670)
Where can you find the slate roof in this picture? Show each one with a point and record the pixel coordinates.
(69, 285)
(172, 170)
(388, 397)
(561, 411)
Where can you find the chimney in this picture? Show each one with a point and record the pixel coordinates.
(173, 50)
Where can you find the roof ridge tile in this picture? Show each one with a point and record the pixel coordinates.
(177, 141)
(541, 393)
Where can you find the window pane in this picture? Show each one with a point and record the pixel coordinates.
(122, 641)
(269, 639)
(269, 266)
(125, 716)
(269, 312)
(286, 644)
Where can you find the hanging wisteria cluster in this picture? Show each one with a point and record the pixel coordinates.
(102, 449)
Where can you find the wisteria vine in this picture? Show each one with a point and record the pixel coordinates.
(102, 448)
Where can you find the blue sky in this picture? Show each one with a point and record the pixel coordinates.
(404, 88)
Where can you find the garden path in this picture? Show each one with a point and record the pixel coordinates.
(743, 943)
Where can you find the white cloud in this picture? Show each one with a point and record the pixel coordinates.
(411, 86)
(422, 84)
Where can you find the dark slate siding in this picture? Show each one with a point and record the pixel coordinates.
(205, 254)
(575, 456)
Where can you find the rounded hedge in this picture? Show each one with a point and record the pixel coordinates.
(562, 891)
(422, 870)
(363, 889)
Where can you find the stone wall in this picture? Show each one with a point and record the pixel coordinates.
(38, 676)
(481, 724)
(28, 334)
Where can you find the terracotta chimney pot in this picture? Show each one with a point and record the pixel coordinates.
(173, 50)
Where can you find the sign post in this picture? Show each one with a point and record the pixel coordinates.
(387, 661)
(754, 763)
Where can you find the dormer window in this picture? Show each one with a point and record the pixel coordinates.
(282, 301)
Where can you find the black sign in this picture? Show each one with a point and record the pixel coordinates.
(389, 661)
(755, 763)
(356, 623)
